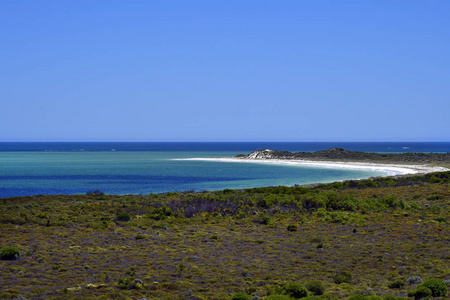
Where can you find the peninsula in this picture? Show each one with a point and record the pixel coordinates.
(390, 163)
(340, 154)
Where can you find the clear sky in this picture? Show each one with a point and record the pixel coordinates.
(224, 70)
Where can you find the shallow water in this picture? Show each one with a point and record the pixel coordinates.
(55, 168)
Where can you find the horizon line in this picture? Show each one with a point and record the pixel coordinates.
(419, 141)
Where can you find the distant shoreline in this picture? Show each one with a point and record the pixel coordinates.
(339, 158)
(390, 169)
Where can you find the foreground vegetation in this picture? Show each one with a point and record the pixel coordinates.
(370, 239)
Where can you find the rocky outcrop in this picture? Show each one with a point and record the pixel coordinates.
(269, 154)
(261, 154)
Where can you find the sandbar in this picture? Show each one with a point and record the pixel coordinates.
(389, 169)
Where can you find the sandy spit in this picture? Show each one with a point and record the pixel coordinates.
(389, 169)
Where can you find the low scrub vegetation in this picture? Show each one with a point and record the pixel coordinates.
(378, 239)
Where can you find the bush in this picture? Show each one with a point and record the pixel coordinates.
(160, 213)
(123, 216)
(316, 287)
(9, 253)
(292, 228)
(398, 284)
(440, 219)
(321, 297)
(95, 193)
(421, 292)
(139, 236)
(240, 296)
(128, 283)
(267, 221)
(295, 290)
(342, 277)
(434, 179)
(357, 297)
(392, 202)
(124, 283)
(414, 280)
(390, 297)
(437, 286)
(328, 297)
(277, 297)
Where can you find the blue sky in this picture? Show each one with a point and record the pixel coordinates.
(224, 70)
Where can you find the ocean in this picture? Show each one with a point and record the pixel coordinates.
(144, 168)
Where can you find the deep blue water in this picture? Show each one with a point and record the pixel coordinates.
(143, 168)
(386, 147)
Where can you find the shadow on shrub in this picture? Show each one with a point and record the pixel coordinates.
(9, 253)
(421, 292)
(316, 287)
(123, 216)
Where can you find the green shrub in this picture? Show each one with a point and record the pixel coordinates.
(240, 296)
(124, 283)
(95, 193)
(312, 203)
(277, 297)
(267, 221)
(421, 292)
(342, 277)
(139, 236)
(328, 297)
(336, 217)
(357, 297)
(440, 219)
(42, 216)
(123, 216)
(240, 215)
(434, 179)
(337, 185)
(295, 290)
(414, 205)
(321, 297)
(9, 253)
(392, 202)
(437, 286)
(316, 287)
(161, 213)
(398, 284)
(390, 297)
(292, 228)
(128, 283)
(338, 202)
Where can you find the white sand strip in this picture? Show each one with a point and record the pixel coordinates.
(389, 169)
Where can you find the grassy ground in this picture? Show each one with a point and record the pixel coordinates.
(211, 245)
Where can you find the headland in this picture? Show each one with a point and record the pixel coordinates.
(392, 164)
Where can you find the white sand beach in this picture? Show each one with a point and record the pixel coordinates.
(389, 169)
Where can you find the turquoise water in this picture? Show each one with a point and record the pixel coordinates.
(54, 169)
